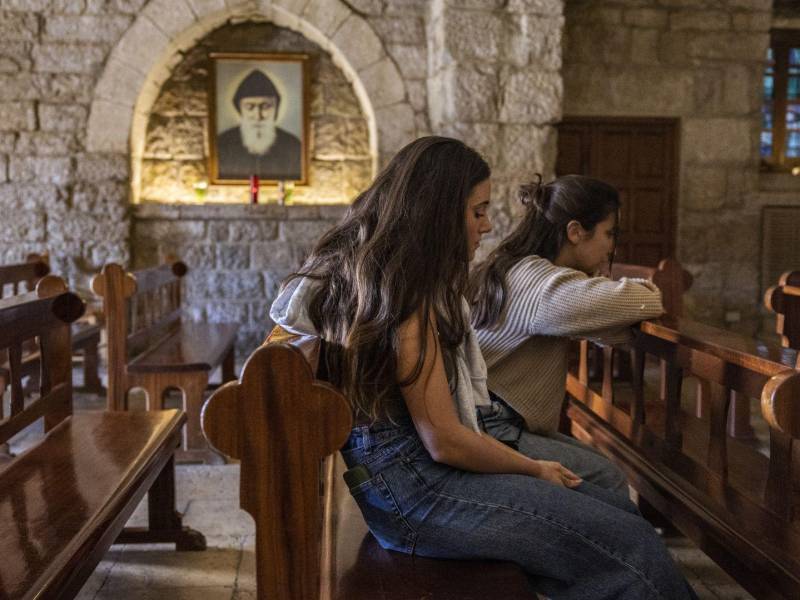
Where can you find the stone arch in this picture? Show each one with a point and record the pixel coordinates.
(144, 57)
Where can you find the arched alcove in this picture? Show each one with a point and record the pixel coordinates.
(144, 57)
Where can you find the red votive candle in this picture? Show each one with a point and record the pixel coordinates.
(253, 189)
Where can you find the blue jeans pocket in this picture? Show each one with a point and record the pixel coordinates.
(383, 515)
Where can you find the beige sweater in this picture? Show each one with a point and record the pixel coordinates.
(546, 305)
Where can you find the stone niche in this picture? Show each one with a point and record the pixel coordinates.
(238, 253)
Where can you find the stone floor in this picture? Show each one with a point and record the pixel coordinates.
(209, 498)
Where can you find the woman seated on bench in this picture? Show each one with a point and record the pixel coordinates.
(536, 290)
(385, 290)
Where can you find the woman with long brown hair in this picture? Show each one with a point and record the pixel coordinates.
(385, 291)
(540, 287)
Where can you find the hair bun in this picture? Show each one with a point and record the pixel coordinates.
(532, 194)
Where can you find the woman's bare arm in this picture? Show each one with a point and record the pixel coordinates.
(435, 417)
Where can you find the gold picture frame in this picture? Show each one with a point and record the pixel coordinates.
(258, 117)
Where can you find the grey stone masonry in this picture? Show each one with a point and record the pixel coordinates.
(702, 62)
(494, 81)
(237, 255)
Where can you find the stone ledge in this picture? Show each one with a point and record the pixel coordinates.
(224, 211)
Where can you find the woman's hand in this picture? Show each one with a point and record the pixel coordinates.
(557, 473)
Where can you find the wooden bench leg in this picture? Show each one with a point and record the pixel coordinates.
(91, 364)
(229, 366)
(165, 524)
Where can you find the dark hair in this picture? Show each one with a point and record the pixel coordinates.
(542, 232)
(400, 249)
(256, 84)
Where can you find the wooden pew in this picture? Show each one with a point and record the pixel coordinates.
(64, 501)
(311, 540)
(784, 300)
(736, 501)
(22, 277)
(150, 346)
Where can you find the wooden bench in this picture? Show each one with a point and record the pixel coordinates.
(22, 277)
(784, 300)
(736, 499)
(311, 540)
(65, 500)
(151, 347)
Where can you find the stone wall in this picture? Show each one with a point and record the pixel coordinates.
(700, 61)
(175, 153)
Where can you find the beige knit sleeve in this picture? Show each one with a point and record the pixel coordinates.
(570, 303)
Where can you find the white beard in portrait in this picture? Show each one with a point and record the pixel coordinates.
(258, 135)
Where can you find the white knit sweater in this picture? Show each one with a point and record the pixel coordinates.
(526, 353)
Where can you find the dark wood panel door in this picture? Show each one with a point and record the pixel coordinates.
(640, 158)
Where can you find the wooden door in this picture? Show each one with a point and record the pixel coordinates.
(639, 158)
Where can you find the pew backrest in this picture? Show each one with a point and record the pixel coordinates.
(669, 276)
(784, 300)
(41, 318)
(308, 421)
(22, 277)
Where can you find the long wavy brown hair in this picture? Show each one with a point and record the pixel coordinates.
(542, 232)
(400, 249)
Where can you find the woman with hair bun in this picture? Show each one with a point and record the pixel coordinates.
(384, 289)
(539, 288)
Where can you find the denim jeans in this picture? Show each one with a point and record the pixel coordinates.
(583, 543)
(503, 423)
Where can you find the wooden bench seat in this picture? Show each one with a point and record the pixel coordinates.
(735, 498)
(66, 499)
(22, 277)
(311, 540)
(194, 347)
(151, 347)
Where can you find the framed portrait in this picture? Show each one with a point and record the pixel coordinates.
(258, 117)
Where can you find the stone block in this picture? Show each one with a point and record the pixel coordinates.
(277, 255)
(173, 17)
(17, 87)
(484, 137)
(197, 256)
(400, 30)
(18, 26)
(539, 7)
(417, 91)
(218, 232)
(598, 43)
(535, 40)
(62, 117)
(356, 177)
(462, 93)
(644, 46)
(703, 20)
(705, 189)
(128, 7)
(3, 168)
(239, 285)
(16, 56)
(46, 143)
(594, 13)
(398, 126)
(63, 87)
(383, 83)
(302, 231)
(101, 198)
(67, 58)
(736, 46)
(531, 97)
(708, 91)
(23, 226)
(76, 226)
(8, 140)
(412, 60)
(525, 150)
(180, 98)
(176, 231)
(656, 18)
(252, 231)
(101, 254)
(463, 28)
(142, 45)
(120, 83)
(40, 169)
(673, 47)
(102, 167)
(358, 42)
(226, 312)
(233, 256)
(721, 139)
(337, 138)
(371, 8)
(742, 86)
(755, 5)
(760, 21)
(203, 8)
(108, 127)
(85, 28)
(326, 15)
(29, 196)
(16, 116)
(175, 137)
